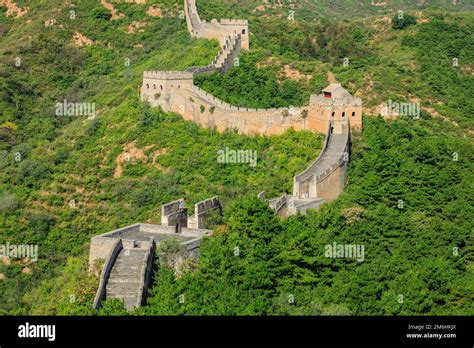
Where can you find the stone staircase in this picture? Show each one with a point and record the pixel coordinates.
(126, 278)
(306, 194)
(193, 15)
(224, 59)
(333, 153)
(129, 254)
(231, 48)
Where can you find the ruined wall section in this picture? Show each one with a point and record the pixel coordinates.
(202, 211)
(175, 214)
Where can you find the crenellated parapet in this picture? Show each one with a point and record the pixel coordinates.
(318, 180)
(333, 112)
(168, 75)
(226, 21)
(219, 30)
(176, 92)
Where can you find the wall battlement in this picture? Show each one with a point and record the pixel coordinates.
(333, 112)
(319, 99)
(218, 30)
(185, 98)
(168, 75)
(227, 21)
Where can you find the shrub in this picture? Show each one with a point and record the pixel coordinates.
(100, 13)
(32, 169)
(400, 22)
(8, 203)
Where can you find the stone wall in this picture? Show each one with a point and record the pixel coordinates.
(323, 110)
(279, 205)
(333, 112)
(332, 185)
(133, 247)
(202, 210)
(101, 246)
(324, 178)
(219, 30)
(146, 274)
(176, 92)
(196, 105)
(112, 254)
(175, 214)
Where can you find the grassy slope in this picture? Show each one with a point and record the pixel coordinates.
(310, 9)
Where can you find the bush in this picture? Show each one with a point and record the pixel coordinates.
(100, 13)
(32, 170)
(401, 22)
(142, 197)
(8, 203)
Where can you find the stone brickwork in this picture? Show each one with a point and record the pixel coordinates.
(129, 258)
(202, 210)
(219, 30)
(175, 214)
(175, 91)
(334, 112)
(194, 104)
(324, 178)
(100, 247)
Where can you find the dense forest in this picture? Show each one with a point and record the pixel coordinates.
(408, 199)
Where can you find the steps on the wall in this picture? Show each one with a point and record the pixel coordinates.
(333, 153)
(221, 61)
(126, 276)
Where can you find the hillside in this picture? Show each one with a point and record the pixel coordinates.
(338, 9)
(71, 180)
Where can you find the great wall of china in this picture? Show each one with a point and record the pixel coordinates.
(128, 252)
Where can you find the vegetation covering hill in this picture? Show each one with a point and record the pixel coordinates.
(71, 181)
(340, 9)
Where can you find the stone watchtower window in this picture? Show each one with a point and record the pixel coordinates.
(243, 31)
(353, 114)
(147, 86)
(327, 95)
(343, 114)
(333, 113)
(154, 86)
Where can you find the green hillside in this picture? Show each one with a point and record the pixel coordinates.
(63, 179)
(312, 9)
